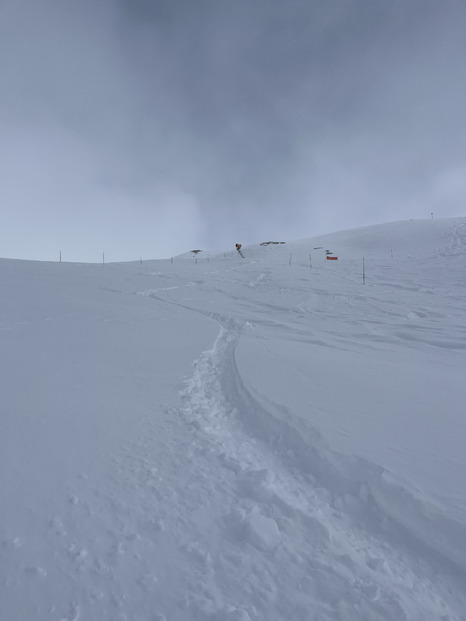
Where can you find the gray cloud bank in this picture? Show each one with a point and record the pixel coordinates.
(150, 127)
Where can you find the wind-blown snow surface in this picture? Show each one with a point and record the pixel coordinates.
(238, 439)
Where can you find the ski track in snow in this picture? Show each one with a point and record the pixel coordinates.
(347, 566)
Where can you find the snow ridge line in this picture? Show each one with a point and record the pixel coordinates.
(216, 400)
(403, 514)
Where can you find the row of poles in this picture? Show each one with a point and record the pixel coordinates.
(103, 257)
(291, 256)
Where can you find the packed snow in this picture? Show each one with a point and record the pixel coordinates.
(212, 437)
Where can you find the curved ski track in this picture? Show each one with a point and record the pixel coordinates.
(316, 527)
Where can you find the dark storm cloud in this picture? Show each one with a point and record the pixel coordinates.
(148, 124)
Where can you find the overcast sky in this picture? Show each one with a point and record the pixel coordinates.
(153, 127)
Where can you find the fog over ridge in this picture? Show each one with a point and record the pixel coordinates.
(148, 127)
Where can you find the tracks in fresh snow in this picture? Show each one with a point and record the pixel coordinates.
(317, 533)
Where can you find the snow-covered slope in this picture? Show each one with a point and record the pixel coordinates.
(221, 438)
